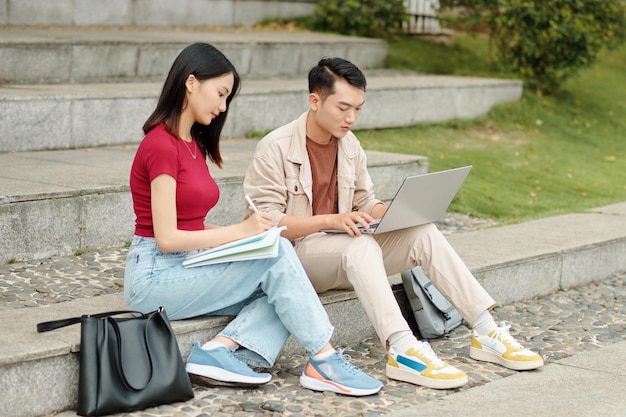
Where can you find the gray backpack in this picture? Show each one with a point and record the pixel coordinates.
(434, 314)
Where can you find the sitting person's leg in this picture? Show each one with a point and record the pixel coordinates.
(270, 298)
(427, 247)
(339, 261)
(255, 337)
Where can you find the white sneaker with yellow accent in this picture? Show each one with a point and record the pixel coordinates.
(502, 348)
(420, 365)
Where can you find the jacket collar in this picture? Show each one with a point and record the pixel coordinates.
(297, 151)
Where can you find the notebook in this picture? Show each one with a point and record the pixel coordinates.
(420, 199)
(263, 245)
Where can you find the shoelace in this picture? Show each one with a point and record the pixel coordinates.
(346, 360)
(502, 333)
(427, 351)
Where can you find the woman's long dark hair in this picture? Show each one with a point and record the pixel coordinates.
(203, 61)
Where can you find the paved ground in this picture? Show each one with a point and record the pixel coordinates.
(558, 325)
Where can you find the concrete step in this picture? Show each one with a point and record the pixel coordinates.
(59, 201)
(65, 116)
(512, 262)
(149, 12)
(44, 55)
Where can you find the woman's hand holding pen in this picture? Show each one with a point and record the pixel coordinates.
(258, 222)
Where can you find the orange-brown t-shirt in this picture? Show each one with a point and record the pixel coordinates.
(324, 169)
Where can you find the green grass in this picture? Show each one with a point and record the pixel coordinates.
(538, 157)
(465, 55)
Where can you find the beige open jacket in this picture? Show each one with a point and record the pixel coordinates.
(279, 178)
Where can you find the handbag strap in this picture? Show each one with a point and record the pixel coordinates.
(146, 339)
(46, 326)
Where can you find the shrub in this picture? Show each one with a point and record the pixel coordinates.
(547, 42)
(373, 18)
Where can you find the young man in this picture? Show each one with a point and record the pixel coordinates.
(311, 174)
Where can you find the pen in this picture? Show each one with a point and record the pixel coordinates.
(251, 203)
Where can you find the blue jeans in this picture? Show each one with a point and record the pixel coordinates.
(270, 298)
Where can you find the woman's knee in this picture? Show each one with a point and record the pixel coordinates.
(285, 248)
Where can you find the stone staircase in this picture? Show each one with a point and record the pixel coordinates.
(80, 90)
(79, 78)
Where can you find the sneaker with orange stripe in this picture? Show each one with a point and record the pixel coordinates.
(502, 348)
(337, 374)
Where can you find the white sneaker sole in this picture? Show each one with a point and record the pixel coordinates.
(486, 356)
(415, 378)
(319, 385)
(207, 373)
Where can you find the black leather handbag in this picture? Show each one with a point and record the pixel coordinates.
(127, 363)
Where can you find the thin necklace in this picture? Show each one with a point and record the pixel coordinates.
(193, 154)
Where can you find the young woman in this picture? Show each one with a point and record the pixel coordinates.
(172, 192)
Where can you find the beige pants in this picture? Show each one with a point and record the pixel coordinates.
(339, 261)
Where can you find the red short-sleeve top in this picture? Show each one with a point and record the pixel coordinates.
(196, 191)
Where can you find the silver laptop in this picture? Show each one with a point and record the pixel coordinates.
(420, 199)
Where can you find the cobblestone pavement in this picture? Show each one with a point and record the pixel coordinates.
(556, 325)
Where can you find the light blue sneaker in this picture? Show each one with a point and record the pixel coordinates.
(220, 367)
(337, 374)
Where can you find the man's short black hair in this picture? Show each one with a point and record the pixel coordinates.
(322, 77)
